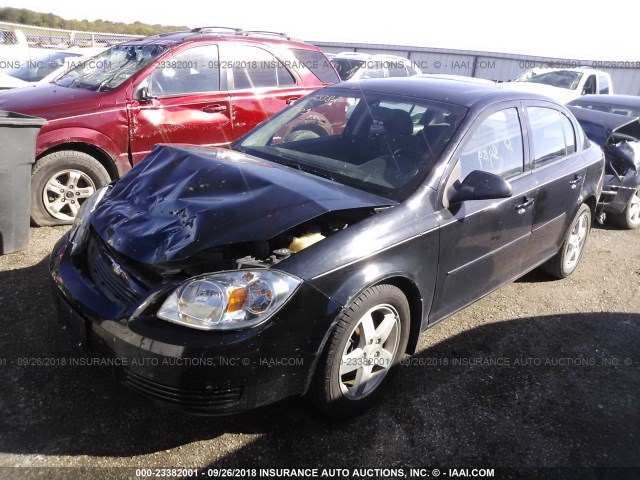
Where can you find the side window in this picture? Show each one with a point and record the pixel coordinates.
(254, 67)
(547, 135)
(192, 71)
(397, 69)
(496, 146)
(569, 134)
(589, 85)
(603, 84)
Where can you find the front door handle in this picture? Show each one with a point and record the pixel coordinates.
(574, 183)
(290, 100)
(523, 206)
(216, 107)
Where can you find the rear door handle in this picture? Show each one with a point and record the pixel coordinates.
(289, 101)
(214, 108)
(574, 183)
(523, 206)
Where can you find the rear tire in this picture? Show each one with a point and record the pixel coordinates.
(302, 134)
(566, 260)
(60, 183)
(368, 340)
(630, 218)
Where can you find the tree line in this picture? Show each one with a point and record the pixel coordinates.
(49, 20)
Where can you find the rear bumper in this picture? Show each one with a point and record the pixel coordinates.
(616, 194)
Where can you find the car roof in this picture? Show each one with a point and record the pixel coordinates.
(457, 92)
(458, 78)
(629, 100)
(221, 33)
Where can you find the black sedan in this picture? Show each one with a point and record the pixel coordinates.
(612, 122)
(220, 280)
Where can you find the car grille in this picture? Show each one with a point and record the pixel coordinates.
(201, 400)
(109, 275)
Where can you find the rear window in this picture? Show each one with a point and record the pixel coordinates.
(319, 65)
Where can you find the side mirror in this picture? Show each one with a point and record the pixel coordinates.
(481, 185)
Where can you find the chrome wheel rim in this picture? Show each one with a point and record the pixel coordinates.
(65, 192)
(634, 209)
(369, 352)
(576, 242)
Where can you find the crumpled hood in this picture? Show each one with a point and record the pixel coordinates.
(181, 200)
(600, 126)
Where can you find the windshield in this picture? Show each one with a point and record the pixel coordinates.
(382, 144)
(559, 78)
(36, 70)
(111, 68)
(347, 67)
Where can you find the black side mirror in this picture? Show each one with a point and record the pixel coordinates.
(480, 185)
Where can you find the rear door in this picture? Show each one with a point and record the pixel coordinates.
(483, 242)
(189, 104)
(559, 171)
(260, 84)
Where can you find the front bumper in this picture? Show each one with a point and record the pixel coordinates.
(196, 371)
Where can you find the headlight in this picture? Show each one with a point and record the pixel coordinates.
(229, 300)
(81, 222)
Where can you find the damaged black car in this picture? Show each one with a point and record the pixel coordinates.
(307, 259)
(619, 137)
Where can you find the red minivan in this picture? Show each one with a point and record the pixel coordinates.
(202, 87)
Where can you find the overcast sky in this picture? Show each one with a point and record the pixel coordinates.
(580, 30)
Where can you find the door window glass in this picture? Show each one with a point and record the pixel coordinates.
(195, 70)
(254, 67)
(547, 135)
(496, 146)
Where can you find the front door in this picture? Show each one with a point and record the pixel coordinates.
(187, 103)
(483, 242)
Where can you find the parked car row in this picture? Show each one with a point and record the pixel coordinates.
(204, 87)
(45, 68)
(315, 248)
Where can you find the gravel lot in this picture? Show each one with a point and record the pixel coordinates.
(539, 374)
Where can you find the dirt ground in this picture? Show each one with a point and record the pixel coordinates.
(540, 375)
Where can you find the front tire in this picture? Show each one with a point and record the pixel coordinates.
(566, 260)
(60, 183)
(368, 340)
(630, 218)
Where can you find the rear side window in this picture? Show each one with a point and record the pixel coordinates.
(496, 146)
(317, 63)
(254, 67)
(569, 134)
(552, 135)
(191, 71)
(589, 85)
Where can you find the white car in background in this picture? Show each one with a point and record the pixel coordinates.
(44, 68)
(359, 66)
(563, 84)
